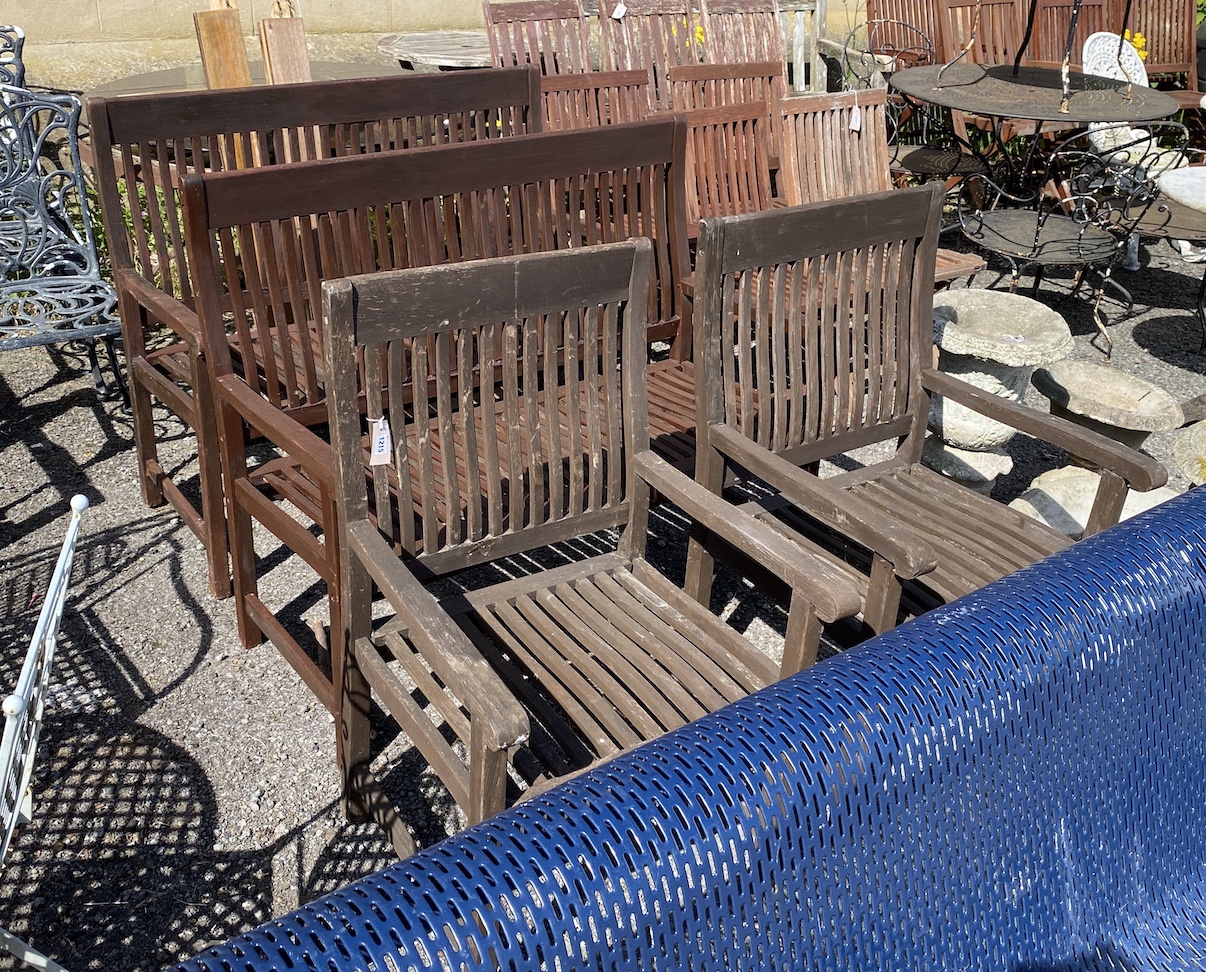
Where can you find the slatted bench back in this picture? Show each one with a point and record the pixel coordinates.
(553, 35)
(263, 240)
(144, 145)
(596, 98)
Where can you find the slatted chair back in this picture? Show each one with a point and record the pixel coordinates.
(694, 86)
(12, 62)
(509, 387)
(1168, 26)
(1053, 18)
(554, 35)
(596, 98)
(649, 33)
(728, 162)
(993, 28)
(916, 16)
(818, 338)
(737, 31)
(825, 156)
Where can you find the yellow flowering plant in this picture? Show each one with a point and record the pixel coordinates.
(1137, 41)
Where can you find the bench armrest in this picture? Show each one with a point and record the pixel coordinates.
(313, 454)
(832, 595)
(909, 555)
(444, 646)
(1140, 472)
(166, 309)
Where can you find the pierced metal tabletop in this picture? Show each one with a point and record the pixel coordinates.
(1034, 93)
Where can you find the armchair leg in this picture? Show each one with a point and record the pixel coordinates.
(883, 597)
(134, 320)
(802, 639)
(487, 778)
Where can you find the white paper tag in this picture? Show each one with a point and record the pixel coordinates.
(381, 449)
(856, 119)
(618, 13)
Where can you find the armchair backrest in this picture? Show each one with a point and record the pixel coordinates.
(649, 33)
(1169, 29)
(12, 63)
(143, 145)
(996, 24)
(553, 35)
(737, 31)
(728, 162)
(816, 321)
(535, 401)
(824, 157)
(1053, 18)
(596, 98)
(918, 15)
(45, 224)
(261, 241)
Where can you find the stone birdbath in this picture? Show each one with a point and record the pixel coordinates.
(1123, 406)
(993, 340)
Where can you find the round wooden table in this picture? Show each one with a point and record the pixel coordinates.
(439, 50)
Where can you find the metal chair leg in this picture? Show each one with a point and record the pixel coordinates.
(24, 953)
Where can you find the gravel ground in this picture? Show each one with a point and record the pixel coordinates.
(186, 787)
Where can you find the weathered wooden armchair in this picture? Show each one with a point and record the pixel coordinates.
(143, 145)
(541, 437)
(815, 339)
(288, 228)
(553, 35)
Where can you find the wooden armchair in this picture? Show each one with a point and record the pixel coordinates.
(653, 34)
(741, 31)
(595, 98)
(553, 35)
(288, 228)
(540, 438)
(141, 148)
(824, 157)
(798, 363)
(1048, 41)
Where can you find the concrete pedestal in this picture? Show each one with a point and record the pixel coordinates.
(1109, 401)
(1062, 499)
(1190, 452)
(992, 340)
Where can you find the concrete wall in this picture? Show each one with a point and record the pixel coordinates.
(76, 44)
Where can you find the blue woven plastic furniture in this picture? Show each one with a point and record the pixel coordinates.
(1015, 781)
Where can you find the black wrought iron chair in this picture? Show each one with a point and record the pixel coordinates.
(1075, 209)
(51, 290)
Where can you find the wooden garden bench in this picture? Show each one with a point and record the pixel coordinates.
(142, 146)
(553, 35)
(595, 98)
(288, 228)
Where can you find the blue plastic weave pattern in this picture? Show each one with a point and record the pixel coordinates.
(1016, 781)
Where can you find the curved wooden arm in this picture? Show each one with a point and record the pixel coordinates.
(1140, 472)
(459, 665)
(313, 454)
(832, 594)
(909, 555)
(163, 307)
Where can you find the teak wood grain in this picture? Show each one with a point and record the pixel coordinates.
(553, 35)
